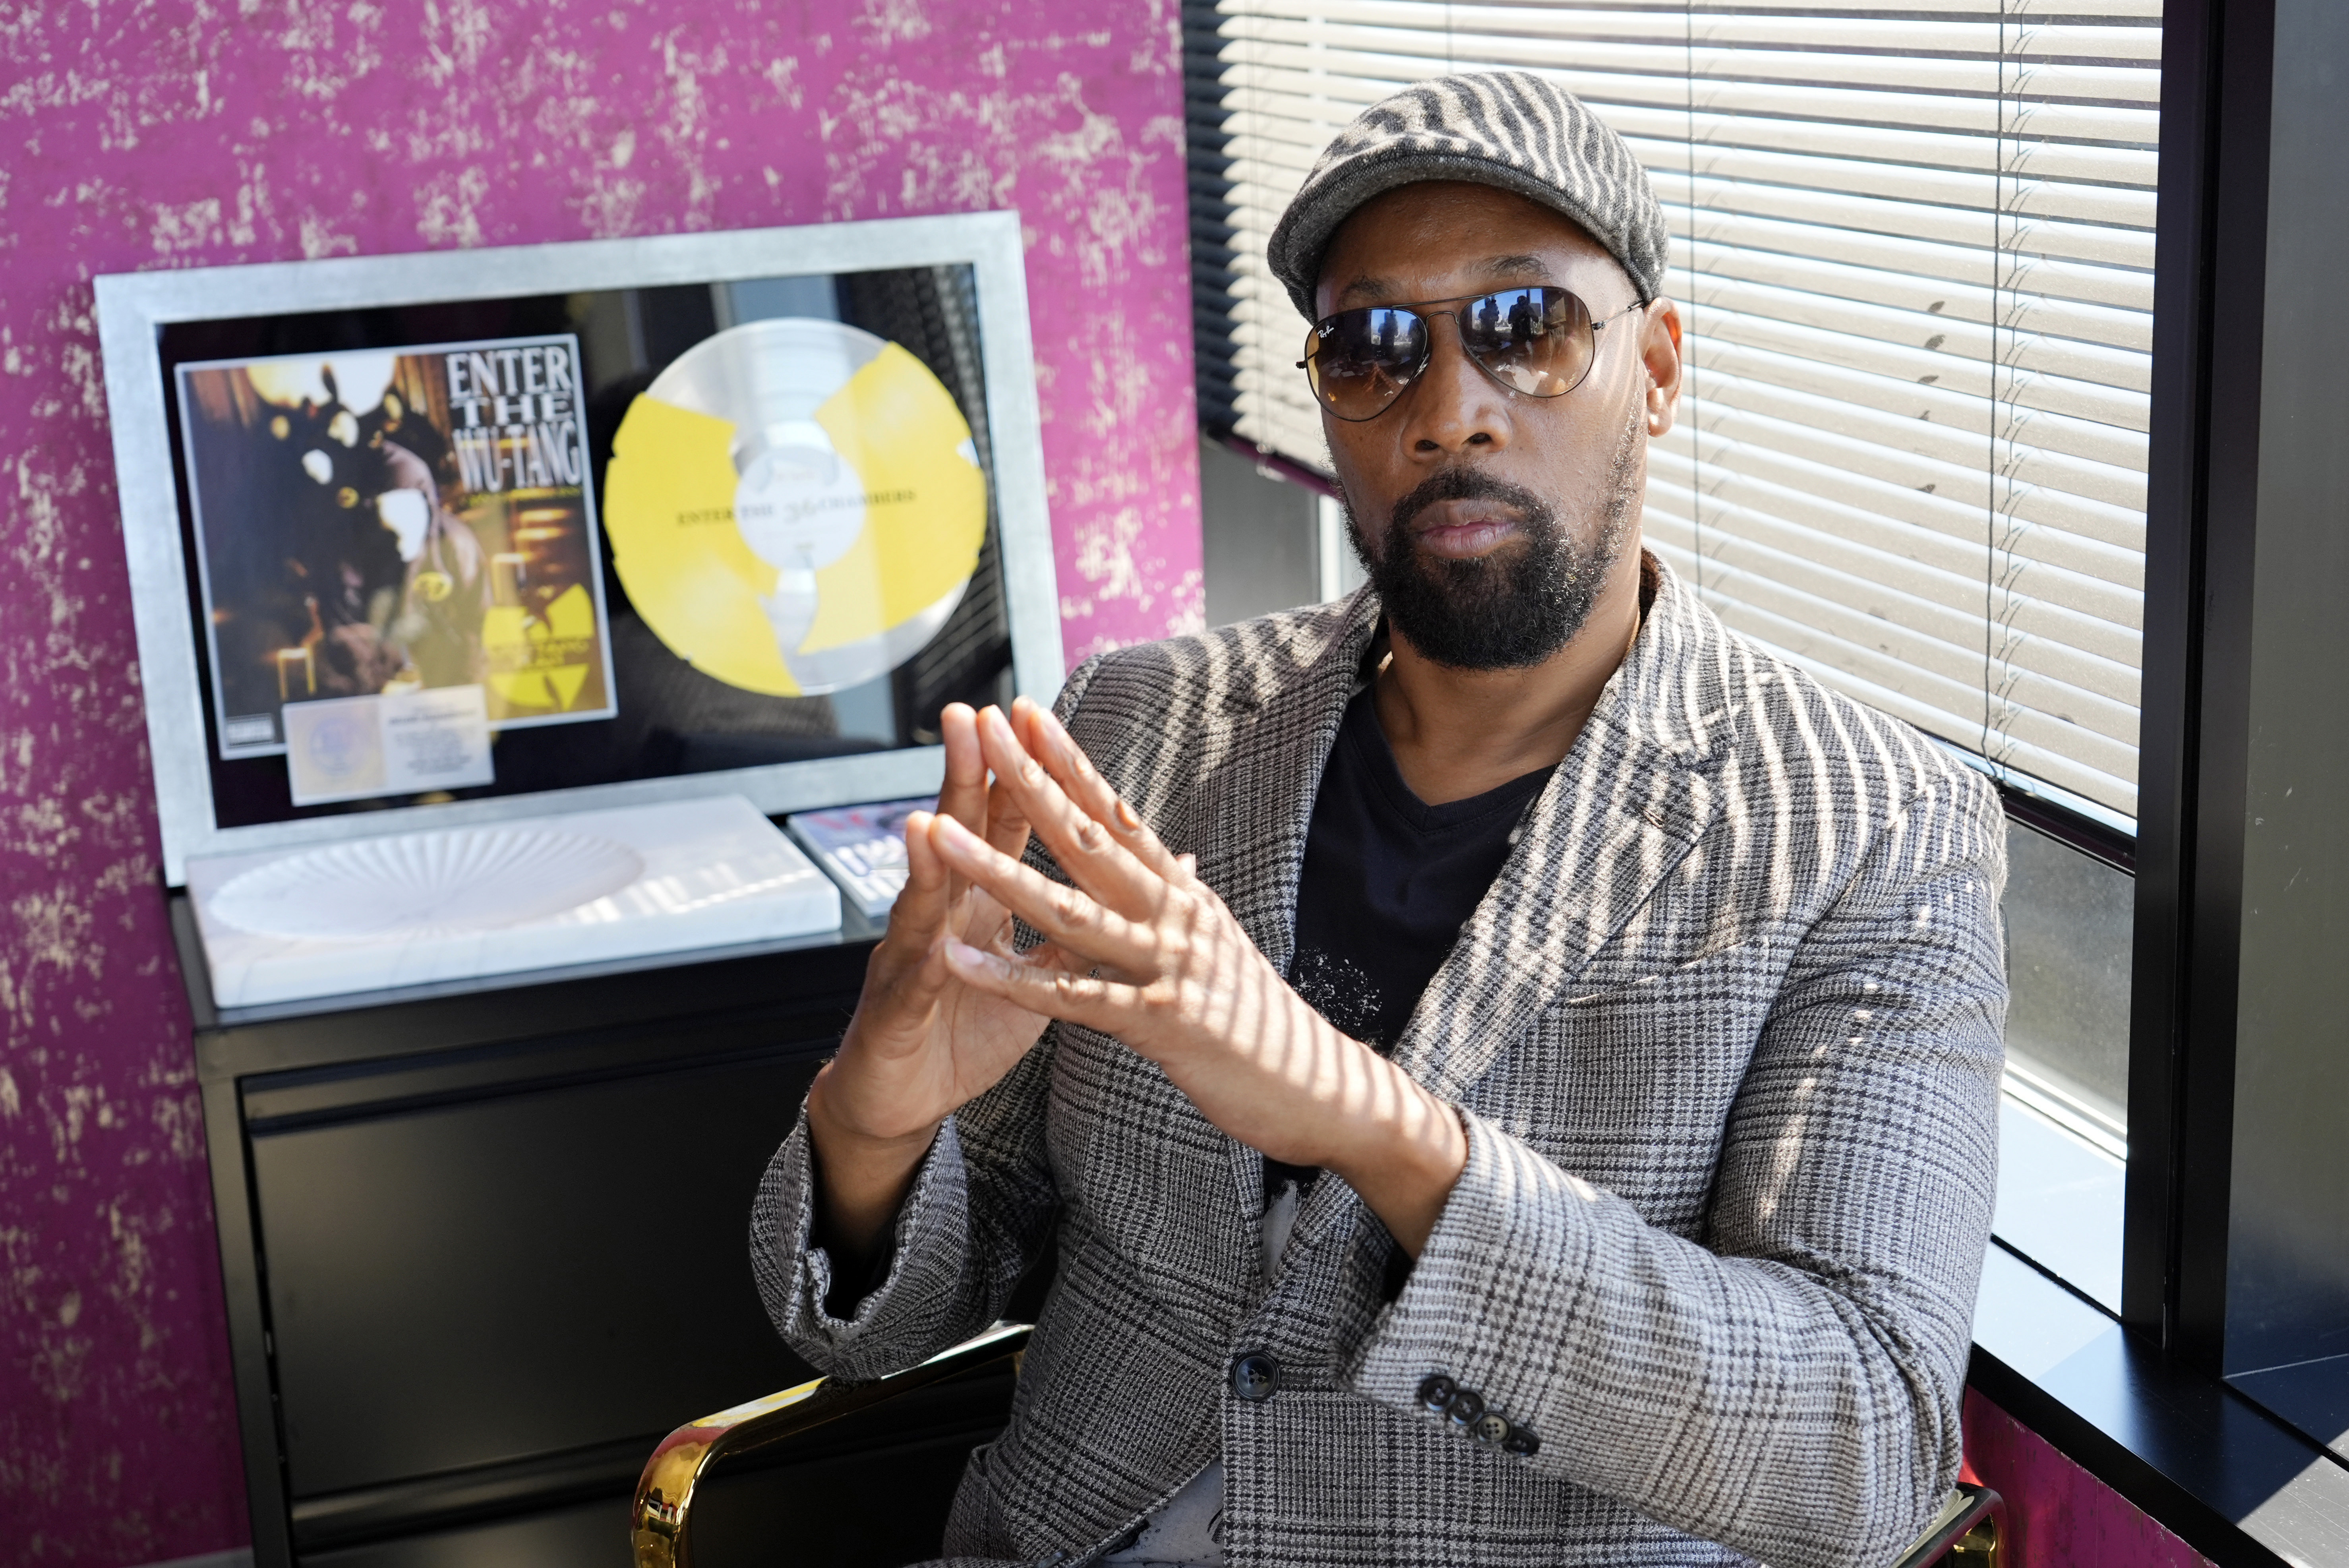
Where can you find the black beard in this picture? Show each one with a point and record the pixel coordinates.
(1516, 606)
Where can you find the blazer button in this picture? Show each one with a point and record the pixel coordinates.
(1522, 1443)
(1255, 1377)
(1436, 1394)
(1466, 1405)
(1491, 1428)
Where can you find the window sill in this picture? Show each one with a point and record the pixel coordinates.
(2234, 1483)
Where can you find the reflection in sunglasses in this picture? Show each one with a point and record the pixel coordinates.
(1539, 341)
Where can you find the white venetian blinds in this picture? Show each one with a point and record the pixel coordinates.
(1914, 251)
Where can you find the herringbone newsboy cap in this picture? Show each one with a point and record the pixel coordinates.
(1507, 129)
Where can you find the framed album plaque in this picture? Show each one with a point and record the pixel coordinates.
(467, 537)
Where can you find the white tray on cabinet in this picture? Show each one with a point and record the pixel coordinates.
(458, 903)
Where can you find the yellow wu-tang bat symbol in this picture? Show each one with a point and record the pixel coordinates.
(541, 666)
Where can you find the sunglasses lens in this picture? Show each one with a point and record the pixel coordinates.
(1536, 341)
(1360, 360)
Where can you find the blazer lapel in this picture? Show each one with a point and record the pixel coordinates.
(1614, 821)
(1254, 798)
(1624, 808)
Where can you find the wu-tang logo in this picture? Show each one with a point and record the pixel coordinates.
(541, 661)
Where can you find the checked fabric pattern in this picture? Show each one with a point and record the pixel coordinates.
(1726, 1037)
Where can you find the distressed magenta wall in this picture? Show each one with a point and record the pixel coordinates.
(2058, 1515)
(146, 134)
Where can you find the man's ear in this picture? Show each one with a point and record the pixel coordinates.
(1660, 356)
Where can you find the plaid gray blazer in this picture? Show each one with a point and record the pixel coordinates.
(1726, 1036)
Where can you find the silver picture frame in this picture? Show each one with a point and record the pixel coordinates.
(133, 308)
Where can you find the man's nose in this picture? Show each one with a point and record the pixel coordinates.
(1454, 407)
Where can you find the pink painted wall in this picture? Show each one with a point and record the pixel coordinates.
(2058, 1515)
(151, 133)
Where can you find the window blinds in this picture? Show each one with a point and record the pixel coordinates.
(1914, 255)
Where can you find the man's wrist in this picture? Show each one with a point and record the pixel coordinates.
(1403, 1157)
(861, 1178)
(834, 1115)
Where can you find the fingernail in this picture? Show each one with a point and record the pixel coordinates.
(961, 952)
(1125, 817)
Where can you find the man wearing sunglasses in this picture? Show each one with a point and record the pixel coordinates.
(1511, 1067)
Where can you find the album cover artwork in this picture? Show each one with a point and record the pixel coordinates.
(863, 847)
(387, 521)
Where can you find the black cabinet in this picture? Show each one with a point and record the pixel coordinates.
(482, 1248)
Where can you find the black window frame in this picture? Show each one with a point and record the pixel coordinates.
(2209, 296)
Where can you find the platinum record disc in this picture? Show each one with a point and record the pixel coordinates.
(795, 505)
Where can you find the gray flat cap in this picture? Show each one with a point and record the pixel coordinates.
(1507, 129)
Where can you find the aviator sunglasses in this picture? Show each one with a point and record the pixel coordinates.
(1539, 341)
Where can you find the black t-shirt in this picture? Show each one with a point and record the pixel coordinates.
(1388, 882)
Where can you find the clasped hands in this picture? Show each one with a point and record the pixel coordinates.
(1136, 946)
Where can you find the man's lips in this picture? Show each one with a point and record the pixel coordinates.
(1459, 530)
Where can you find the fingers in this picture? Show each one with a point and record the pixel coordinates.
(977, 918)
(1065, 915)
(963, 794)
(920, 911)
(1006, 820)
(1055, 993)
(904, 975)
(920, 916)
(932, 906)
(1049, 743)
(1086, 847)
(982, 919)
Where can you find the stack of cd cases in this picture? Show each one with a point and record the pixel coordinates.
(862, 848)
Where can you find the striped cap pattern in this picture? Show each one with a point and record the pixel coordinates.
(1512, 130)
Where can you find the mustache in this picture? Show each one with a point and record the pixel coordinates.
(1466, 484)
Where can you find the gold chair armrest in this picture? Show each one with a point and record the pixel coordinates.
(1966, 1532)
(657, 1519)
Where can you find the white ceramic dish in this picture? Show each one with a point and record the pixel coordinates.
(421, 884)
(460, 903)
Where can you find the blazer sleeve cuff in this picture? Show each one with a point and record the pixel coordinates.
(1502, 1275)
(891, 1326)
